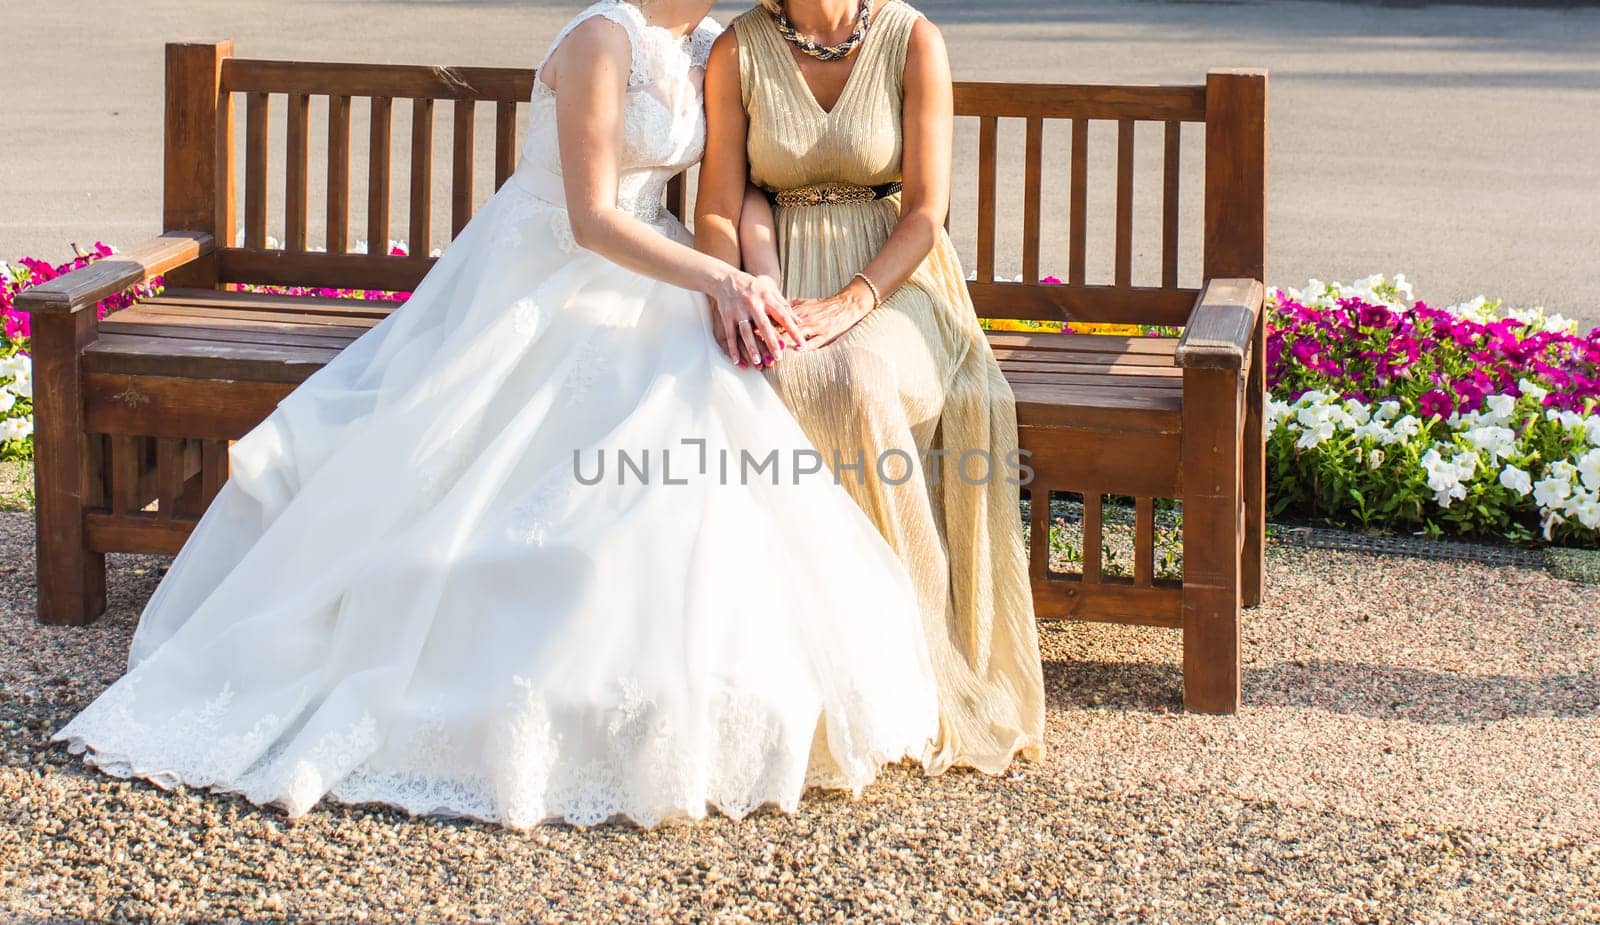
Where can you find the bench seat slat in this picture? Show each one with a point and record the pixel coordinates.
(251, 318)
(1085, 343)
(133, 354)
(310, 306)
(265, 335)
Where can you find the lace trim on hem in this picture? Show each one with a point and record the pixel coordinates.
(346, 792)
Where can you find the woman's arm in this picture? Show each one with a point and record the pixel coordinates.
(758, 238)
(928, 126)
(589, 73)
(719, 198)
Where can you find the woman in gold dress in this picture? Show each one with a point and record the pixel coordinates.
(840, 111)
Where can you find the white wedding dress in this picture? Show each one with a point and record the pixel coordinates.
(404, 594)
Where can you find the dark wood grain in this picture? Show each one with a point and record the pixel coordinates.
(1032, 198)
(380, 149)
(1087, 101)
(338, 174)
(1171, 180)
(1222, 325)
(1077, 302)
(404, 81)
(257, 129)
(296, 175)
(505, 142)
(197, 165)
(988, 135)
(1124, 234)
(421, 176)
(463, 142)
(1078, 208)
(84, 287)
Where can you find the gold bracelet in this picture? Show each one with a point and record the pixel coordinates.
(877, 299)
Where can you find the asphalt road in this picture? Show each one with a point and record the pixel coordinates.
(1459, 145)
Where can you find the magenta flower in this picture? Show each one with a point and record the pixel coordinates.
(1435, 402)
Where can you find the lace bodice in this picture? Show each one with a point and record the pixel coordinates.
(663, 120)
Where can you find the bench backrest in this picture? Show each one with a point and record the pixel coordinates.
(208, 89)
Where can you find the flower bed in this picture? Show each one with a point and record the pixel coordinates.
(1388, 413)
(1385, 413)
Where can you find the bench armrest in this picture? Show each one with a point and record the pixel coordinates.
(87, 285)
(1221, 325)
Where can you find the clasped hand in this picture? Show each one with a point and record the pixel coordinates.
(754, 324)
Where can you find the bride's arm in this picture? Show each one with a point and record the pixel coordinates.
(589, 73)
(720, 196)
(928, 119)
(758, 239)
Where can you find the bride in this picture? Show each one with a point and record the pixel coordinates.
(414, 591)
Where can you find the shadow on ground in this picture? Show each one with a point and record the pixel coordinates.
(1341, 687)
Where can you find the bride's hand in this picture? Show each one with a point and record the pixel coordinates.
(753, 322)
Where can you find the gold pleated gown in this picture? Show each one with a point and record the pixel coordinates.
(914, 378)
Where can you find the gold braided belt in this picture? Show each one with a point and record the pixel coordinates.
(829, 193)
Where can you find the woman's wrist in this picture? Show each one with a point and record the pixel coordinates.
(859, 296)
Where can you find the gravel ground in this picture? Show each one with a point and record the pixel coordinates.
(1419, 744)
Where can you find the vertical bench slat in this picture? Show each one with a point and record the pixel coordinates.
(421, 176)
(169, 475)
(678, 198)
(1091, 537)
(1124, 266)
(505, 142)
(1079, 208)
(988, 137)
(1033, 193)
(378, 153)
(295, 174)
(1038, 531)
(213, 467)
(1144, 541)
(463, 144)
(257, 111)
(338, 174)
(1171, 171)
(127, 454)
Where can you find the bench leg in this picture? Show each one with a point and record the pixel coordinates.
(71, 577)
(1213, 531)
(1253, 568)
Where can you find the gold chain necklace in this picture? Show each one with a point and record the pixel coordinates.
(824, 52)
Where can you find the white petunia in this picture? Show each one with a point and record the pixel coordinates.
(1445, 477)
(1586, 508)
(22, 385)
(1501, 408)
(1517, 480)
(1498, 442)
(15, 429)
(7, 400)
(1387, 410)
(1375, 458)
(1532, 389)
(1591, 429)
(1568, 419)
(1406, 428)
(1552, 493)
(1589, 469)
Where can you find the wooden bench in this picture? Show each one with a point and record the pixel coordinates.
(134, 413)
